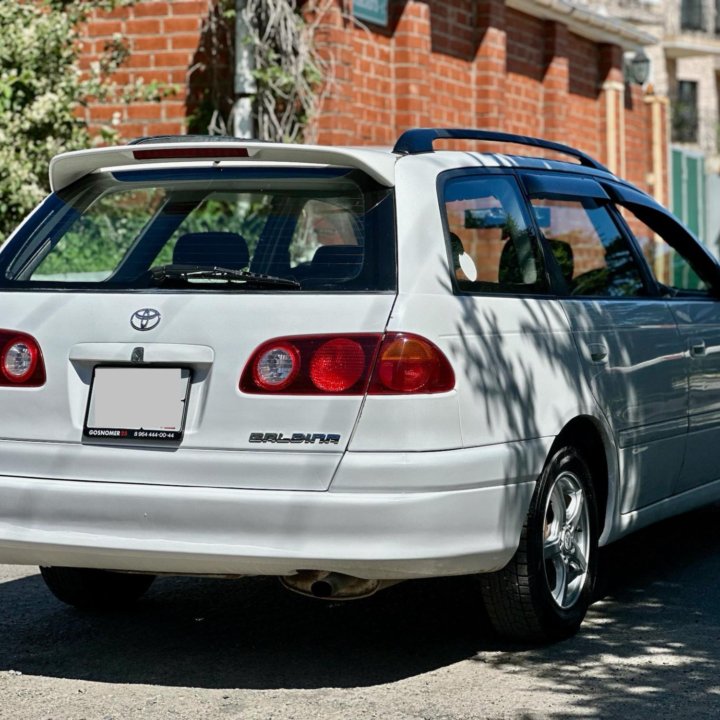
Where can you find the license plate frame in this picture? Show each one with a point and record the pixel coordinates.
(121, 395)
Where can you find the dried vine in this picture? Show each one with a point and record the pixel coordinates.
(291, 76)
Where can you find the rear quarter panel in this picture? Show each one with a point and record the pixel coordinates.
(518, 375)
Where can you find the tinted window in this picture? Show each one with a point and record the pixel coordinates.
(594, 257)
(670, 267)
(94, 243)
(489, 241)
(327, 229)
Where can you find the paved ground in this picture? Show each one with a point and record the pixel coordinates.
(248, 649)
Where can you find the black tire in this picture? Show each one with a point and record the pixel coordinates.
(90, 589)
(543, 593)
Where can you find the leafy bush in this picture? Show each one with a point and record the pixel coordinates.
(41, 89)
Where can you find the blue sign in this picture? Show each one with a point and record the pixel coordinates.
(374, 11)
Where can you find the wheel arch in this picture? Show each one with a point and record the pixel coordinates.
(592, 439)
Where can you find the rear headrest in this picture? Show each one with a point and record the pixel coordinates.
(514, 270)
(511, 270)
(221, 249)
(563, 253)
(337, 261)
(457, 249)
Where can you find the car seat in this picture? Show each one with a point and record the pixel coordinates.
(218, 249)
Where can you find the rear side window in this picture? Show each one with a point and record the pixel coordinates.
(490, 245)
(674, 270)
(594, 257)
(325, 229)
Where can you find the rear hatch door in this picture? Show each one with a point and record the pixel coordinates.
(185, 273)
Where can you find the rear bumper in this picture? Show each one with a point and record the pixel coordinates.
(361, 532)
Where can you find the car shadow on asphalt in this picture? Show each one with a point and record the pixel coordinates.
(659, 619)
(246, 633)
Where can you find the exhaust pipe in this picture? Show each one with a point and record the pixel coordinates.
(333, 586)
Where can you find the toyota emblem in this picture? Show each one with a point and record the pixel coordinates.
(145, 319)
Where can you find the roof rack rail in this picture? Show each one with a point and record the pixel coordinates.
(420, 140)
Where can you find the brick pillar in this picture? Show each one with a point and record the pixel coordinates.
(613, 106)
(412, 67)
(489, 66)
(556, 82)
(657, 108)
(336, 122)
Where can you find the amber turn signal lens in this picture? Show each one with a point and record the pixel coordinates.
(411, 364)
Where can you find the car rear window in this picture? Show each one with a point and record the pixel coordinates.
(211, 229)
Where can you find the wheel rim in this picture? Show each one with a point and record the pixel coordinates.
(566, 539)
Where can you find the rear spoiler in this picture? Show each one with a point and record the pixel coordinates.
(65, 169)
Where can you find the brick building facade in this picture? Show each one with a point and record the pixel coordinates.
(516, 66)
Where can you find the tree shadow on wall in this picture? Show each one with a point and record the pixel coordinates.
(210, 76)
(454, 27)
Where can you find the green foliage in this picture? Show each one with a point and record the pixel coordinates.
(287, 70)
(41, 90)
(100, 238)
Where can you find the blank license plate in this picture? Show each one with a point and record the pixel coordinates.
(137, 403)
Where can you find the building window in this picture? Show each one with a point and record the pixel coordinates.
(691, 15)
(685, 112)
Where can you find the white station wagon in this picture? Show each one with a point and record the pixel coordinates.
(351, 367)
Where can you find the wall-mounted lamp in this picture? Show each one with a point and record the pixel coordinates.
(637, 70)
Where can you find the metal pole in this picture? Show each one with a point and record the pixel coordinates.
(245, 86)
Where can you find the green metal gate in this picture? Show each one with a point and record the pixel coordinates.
(688, 189)
(688, 204)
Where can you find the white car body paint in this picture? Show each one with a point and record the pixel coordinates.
(417, 486)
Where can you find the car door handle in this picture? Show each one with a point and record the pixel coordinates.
(598, 352)
(697, 347)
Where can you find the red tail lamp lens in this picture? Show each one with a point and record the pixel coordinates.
(395, 363)
(411, 364)
(20, 360)
(312, 365)
(337, 365)
(276, 367)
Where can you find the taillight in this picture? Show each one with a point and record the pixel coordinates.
(410, 364)
(193, 153)
(277, 367)
(311, 365)
(337, 365)
(395, 363)
(21, 361)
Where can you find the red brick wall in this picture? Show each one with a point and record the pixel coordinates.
(525, 68)
(163, 39)
(452, 48)
(459, 63)
(638, 136)
(583, 124)
(372, 105)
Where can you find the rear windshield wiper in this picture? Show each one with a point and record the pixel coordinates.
(212, 272)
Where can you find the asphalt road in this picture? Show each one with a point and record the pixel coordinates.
(202, 648)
